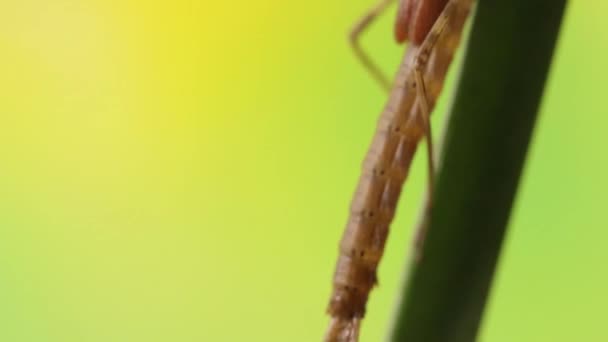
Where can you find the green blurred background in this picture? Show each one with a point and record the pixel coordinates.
(181, 171)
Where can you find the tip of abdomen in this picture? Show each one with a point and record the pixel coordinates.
(343, 330)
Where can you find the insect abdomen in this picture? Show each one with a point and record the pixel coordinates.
(373, 208)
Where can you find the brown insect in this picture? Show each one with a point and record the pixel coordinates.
(434, 29)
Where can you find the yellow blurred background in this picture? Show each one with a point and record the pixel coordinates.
(181, 171)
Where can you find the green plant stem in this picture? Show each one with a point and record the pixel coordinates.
(506, 64)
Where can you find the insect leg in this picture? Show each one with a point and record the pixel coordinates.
(420, 63)
(359, 27)
(425, 115)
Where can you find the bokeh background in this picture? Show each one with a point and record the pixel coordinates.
(181, 171)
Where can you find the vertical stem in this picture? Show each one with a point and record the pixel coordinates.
(506, 65)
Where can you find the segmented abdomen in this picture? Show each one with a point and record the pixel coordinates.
(385, 169)
(373, 207)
